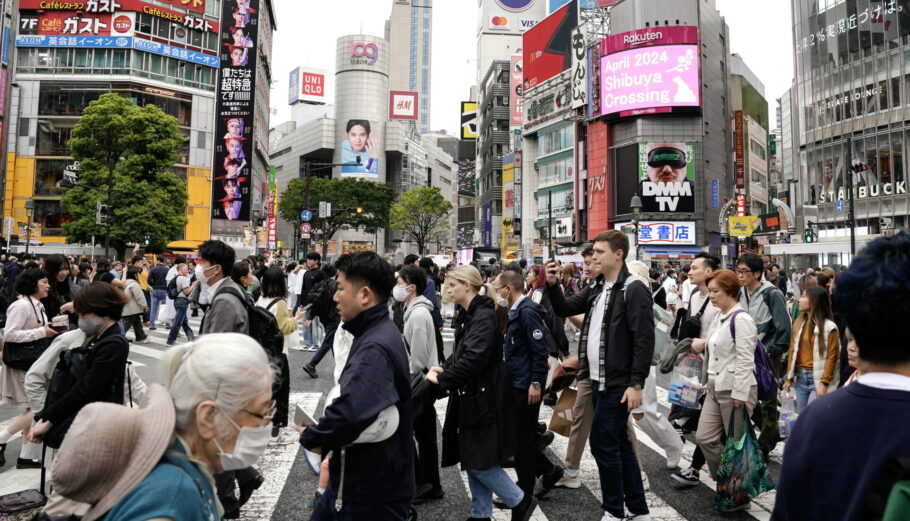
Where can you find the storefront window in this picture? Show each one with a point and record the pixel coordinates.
(61, 100)
(53, 136)
(49, 172)
(51, 217)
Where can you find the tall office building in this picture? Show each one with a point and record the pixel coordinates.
(409, 31)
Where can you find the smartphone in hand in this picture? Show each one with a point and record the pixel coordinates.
(301, 417)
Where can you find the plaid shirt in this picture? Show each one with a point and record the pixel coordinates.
(584, 370)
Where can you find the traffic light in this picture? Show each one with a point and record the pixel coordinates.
(358, 210)
(809, 235)
(147, 241)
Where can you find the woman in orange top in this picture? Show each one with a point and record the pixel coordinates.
(814, 348)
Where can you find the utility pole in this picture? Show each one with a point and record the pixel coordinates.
(550, 251)
(112, 162)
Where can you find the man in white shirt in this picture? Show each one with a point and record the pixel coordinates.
(617, 344)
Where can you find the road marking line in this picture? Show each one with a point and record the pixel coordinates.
(146, 351)
(275, 465)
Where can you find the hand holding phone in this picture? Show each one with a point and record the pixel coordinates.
(301, 417)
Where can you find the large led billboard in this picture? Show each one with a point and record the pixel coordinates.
(547, 47)
(666, 173)
(650, 71)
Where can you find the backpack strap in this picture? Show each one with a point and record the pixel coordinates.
(733, 323)
(272, 303)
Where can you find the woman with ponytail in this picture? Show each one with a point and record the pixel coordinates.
(477, 432)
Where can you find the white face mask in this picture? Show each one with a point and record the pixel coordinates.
(502, 302)
(251, 444)
(400, 294)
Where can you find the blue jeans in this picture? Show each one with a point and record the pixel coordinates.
(804, 386)
(620, 475)
(325, 510)
(484, 482)
(159, 297)
(326, 344)
(181, 305)
(309, 334)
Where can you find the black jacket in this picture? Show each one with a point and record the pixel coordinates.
(628, 324)
(311, 277)
(478, 429)
(526, 345)
(158, 276)
(375, 377)
(103, 382)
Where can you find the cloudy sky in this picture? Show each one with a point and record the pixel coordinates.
(761, 32)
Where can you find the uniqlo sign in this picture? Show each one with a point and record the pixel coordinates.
(402, 105)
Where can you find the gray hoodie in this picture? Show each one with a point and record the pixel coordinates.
(420, 334)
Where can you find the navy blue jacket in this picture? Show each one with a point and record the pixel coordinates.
(526, 346)
(374, 377)
(838, 451)
(430, 294)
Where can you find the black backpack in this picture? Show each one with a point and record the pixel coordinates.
(322, 299)
(70, 369)
(262, 323)
(172, 291)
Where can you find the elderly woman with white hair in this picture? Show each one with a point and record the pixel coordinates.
(157, 463)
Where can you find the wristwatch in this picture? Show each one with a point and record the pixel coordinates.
(535, 385)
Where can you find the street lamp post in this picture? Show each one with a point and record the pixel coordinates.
(29, 212)
(635, 205)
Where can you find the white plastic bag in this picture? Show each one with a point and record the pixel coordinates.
(685, 384)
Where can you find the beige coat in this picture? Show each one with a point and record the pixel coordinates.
(136, 304)
(734, 364)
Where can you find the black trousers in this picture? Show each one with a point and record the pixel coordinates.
(225, 484)
(281, 393)
(135, 322)
(529, 461)
(440, 348)
(427, 461)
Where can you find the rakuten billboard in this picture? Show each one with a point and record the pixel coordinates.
(650, 72)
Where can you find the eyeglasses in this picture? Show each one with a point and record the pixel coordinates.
(744, 272)
(273, 406)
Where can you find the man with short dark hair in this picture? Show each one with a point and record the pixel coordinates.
(615, 351)
(311, 277)
(526, 351)
(410, 258)
(768, 309)
(378, 477)
(836, 465)
(225, 312)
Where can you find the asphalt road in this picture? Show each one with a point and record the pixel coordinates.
(290, 483)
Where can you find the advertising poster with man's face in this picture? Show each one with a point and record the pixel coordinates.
(667, 176)
(231, 184)
(360, 148)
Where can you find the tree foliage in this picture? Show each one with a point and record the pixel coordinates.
(345, 194)
(422, 214)
(140, 145)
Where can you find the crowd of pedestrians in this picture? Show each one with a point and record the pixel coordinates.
(524, 336)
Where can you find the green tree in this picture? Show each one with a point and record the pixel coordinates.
(345, 194)
(136, 146)
(422, 214)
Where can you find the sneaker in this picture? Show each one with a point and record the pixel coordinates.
(311, 504)
(548, 481)
(22, 463)
(143, 341)
(687, 477)
(737, 508)
(610, 517)
(312, 349)
(152, 328)
(310, 370)
(282, 439)
(524, 510)
(567, 481)
(638, 517)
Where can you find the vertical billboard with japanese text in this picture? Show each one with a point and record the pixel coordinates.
(650, 71)
(516, 101)
(509, 238)
(666, 176)
(547, 47)
(235, 100)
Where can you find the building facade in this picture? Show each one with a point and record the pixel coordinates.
(168, 57)
(409, 31)
(493, 141)
(851, 103)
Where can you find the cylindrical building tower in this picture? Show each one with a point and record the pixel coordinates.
(361, 112)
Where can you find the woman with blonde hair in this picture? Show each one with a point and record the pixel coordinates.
(478, 425)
